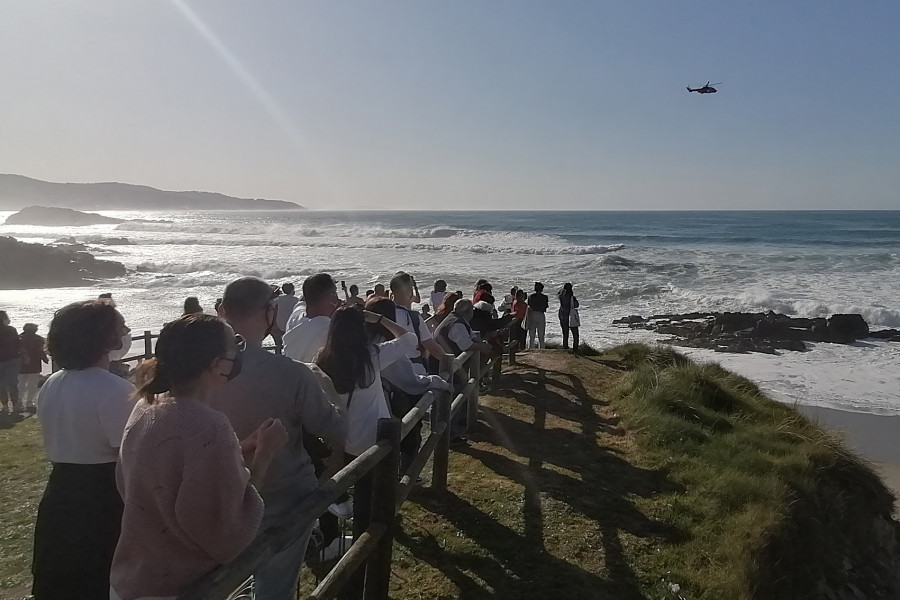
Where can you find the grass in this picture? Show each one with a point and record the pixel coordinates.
(23, 473)
(773, 506)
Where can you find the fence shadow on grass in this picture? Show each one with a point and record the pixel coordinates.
(521, 448)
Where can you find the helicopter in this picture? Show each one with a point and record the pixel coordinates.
(706, 89)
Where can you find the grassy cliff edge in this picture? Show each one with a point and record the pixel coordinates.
(772, 505)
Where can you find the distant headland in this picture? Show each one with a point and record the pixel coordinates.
(18, 191)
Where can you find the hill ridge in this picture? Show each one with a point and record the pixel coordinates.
(20, 191)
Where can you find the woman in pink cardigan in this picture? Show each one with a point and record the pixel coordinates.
(190, 503)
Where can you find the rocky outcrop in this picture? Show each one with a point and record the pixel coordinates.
(58, 217)
(39, 266)
(756, 332)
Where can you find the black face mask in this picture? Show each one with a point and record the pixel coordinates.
(237, 364)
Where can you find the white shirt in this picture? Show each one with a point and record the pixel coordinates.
(305, 336)
(286, 304)
(368, 404)
(83, 415)
(403, 320)
(461, 336)
(437, 298)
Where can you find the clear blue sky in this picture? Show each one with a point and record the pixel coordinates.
(469, 103)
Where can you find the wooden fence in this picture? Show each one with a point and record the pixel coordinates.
(364, 570)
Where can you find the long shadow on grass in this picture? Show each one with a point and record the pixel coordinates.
(521, 566)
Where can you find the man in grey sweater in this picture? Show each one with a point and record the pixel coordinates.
(272, 386)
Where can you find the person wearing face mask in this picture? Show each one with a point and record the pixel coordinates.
(273, 386)
(307, 327)
(82, 409)
(191, 500)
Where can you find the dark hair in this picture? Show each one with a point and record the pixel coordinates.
(385, 307)
(446, 306)
(29, 327)
(400, 279)
(184, 350)
(3, 315)
(192, 305)
(346, 357)
(288, 288)
(486, 286)
(81, 333)
(245, 296)
(354, 289)
(370, 293)
(317, 287)
(566, 290)
(538, 286)
(479, 283)
(440, 285)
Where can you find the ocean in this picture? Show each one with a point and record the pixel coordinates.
(620, 263)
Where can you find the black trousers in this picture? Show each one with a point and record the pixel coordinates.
(78, 524)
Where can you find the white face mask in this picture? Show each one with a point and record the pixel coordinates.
(120, 353)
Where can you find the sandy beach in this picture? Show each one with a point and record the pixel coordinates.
(873, 436)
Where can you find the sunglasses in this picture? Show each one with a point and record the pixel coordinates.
(240, 343)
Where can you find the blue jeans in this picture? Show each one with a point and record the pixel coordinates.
(279, 577)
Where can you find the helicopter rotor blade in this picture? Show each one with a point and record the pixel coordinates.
(715, 84)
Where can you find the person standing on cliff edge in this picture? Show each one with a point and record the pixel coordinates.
(536, 317)
(569, 319)
(9, 365)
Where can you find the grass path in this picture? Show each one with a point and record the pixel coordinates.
(542, 503)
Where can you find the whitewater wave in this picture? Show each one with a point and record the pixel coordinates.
(430, 247)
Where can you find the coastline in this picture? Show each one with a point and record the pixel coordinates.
(872, 436)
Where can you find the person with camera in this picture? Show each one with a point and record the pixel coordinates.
(351, 295)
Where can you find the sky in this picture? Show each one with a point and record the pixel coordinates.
(469, 104)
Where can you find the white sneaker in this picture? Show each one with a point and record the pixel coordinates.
(342, 510)
(337, 547)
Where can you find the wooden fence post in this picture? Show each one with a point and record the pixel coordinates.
(362, 518)
(384, 504)
(148, 344)
(441, 413)
(472, 400)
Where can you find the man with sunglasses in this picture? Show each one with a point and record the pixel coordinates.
(272, 386)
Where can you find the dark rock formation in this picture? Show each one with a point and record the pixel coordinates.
(891, 335)
(57, 217)
(755, 332)
(38, 266)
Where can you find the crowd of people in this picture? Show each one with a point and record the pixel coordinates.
(161, 475)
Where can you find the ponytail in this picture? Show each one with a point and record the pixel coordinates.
(151, 380)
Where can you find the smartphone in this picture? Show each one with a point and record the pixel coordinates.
(343, 285)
